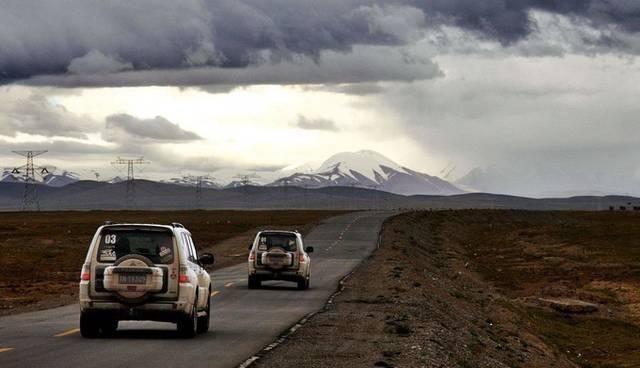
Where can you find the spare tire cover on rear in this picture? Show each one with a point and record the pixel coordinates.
(133, 260)
(276, 258)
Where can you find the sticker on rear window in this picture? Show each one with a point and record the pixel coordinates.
(107, 254)
(164, 251)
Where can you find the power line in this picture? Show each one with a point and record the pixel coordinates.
(131, 163)
(245, 179)
(30, 197)
(199, 181)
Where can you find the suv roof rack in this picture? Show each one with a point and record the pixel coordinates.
(108, 222)
(177, 224)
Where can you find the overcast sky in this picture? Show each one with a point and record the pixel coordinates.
(540, 97)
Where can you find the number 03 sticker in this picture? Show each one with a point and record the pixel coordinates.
(110, 239)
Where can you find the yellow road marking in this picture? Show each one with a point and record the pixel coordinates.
(229, 284)
(214, 293)
(4, 350)
(67, 333)
(238, 255)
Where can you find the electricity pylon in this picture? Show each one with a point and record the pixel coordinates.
(245, 180)
(199, 180)
(30, 197)
(130, 196)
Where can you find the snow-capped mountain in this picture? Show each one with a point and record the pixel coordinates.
(60, 180)
(369, 169)
(192, 182)
(8, 177)
(52, 179)
(240, 184)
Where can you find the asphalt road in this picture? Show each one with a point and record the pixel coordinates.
(243, 321)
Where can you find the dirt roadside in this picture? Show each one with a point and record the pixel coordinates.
(41, 253)
(463, 289)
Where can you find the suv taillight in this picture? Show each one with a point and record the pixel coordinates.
(85, 275)
(252, 256)
(301, 258)
(183, 278)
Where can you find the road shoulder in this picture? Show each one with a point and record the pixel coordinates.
(414, 303)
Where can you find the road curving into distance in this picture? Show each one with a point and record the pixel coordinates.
(243, 321)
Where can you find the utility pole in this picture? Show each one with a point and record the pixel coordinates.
(245, 180)
(130, 196)
(30, 197)
(199, 180)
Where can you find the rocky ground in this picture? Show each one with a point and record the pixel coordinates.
(485, 289)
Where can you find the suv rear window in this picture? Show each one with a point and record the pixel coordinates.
(273, 240)
(155, 245)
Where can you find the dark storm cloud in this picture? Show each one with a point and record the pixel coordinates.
(92, 37)
(316, 124)
(508, 20)
(156, 129)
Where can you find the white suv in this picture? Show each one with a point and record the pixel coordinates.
(279, 255)
(144, 272)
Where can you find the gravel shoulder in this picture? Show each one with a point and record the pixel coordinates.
(419, 302)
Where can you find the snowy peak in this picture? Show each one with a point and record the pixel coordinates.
(52, 179)
(203, 182)
(369, 169)
(60, 180)
(369, 164)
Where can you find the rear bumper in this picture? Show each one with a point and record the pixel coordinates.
(161, 312)
(287, 275)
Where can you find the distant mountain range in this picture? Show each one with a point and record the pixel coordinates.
(85, 195)
(51, 179)
(362, 169)
(369, 169)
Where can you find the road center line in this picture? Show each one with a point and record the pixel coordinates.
(215, 292)
(229, 284)
(4, 350)
(67, 333)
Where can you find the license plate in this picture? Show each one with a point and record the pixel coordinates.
(277, 260)
(133, 279)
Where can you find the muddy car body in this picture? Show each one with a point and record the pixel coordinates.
(144, 272)
(279, 255)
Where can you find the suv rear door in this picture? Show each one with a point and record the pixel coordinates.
(276, 247)
(155, 243)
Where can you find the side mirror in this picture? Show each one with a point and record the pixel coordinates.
(206, 259)
(250, 246)
(309, 250)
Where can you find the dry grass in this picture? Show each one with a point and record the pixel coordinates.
(589, 256)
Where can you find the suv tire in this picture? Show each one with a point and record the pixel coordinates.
(254, 283)
(109, 327)
(89, 327)
(203, 322)
(188, 324)
(303, 283)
